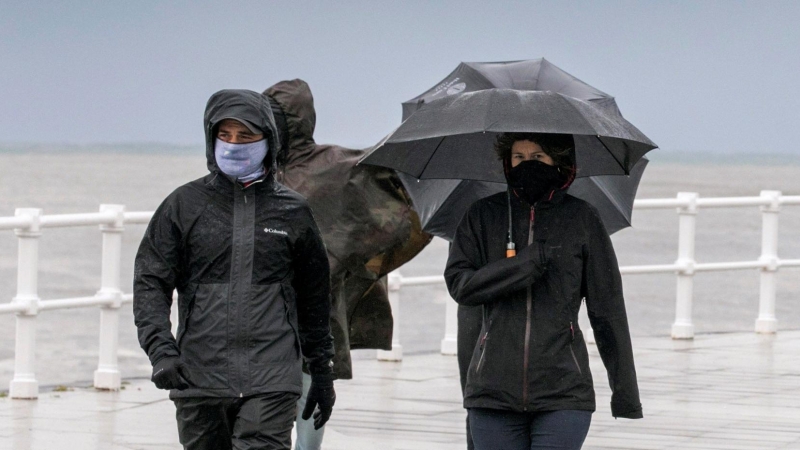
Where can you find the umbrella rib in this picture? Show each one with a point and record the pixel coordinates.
(611, 197)
(624, 169)
(480, 74)
(585, 121)
(431, 157)
(597, 136)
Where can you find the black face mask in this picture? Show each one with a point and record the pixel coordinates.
(533, 179)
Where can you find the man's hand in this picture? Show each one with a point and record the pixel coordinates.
(320, 393)
(170, 373)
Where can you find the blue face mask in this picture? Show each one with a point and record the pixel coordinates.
(245, 162)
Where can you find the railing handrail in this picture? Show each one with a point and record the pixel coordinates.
(74, 220)
(143, 217)
(713, 202)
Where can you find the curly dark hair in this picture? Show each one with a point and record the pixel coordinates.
(560, 147)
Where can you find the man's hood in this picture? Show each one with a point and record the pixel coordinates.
(242, 104)
(297, 105)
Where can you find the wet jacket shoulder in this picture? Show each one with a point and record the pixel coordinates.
(362, 210)
(538, 294)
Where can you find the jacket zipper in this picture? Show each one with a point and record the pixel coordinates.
(529, 306)
(571, 351)
(483, 352)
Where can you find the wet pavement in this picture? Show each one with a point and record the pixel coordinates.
(719, 391)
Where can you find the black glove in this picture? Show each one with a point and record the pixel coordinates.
(320, 393)
(170, 373)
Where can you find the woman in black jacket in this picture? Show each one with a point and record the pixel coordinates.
(530, 256)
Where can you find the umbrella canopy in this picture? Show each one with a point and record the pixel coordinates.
(440, 204)
(527, 75)
(452, 137)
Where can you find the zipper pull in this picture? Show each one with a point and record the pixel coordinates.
(510, 250)
(572, 331)
(533, 214)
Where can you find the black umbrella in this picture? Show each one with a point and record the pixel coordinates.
(452, 137)
(441, 203)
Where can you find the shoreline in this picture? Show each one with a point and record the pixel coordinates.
(657, 156)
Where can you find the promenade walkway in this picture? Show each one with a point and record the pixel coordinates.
(720, 391)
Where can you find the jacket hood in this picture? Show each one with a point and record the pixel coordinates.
(242, 104)
(296, 103)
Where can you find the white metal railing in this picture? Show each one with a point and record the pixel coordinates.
(29, 222)
(27, 225)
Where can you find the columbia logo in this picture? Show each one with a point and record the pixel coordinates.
(274, 231)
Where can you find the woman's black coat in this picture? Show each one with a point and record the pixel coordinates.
(531, 355)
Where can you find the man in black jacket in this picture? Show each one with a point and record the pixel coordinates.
(252, 275)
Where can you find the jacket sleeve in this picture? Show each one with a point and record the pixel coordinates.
(312, 284)
(472, 283)
(602, 289)
(155, 275)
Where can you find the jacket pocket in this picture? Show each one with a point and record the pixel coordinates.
(482, 343)
(575, 359)
(273, 340)
(572, 350)
(290, 305)
(482, 357)
(185, 307)
(203, 340)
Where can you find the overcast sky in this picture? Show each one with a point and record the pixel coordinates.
(692, 75)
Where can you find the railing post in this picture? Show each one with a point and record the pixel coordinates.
(687, 215)
(450, 340)
(107, 375)
(396, 353)
(24, 384)
(766, 321)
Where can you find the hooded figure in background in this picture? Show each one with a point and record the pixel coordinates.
(365, 217)
(367, 223)
(249, 265)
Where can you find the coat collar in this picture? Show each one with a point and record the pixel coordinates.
(550, 200)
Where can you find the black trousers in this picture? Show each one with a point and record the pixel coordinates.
(469, 329)
(506, 430)
(260, 422)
